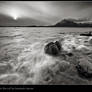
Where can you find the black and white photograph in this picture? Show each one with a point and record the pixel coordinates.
(45, 43)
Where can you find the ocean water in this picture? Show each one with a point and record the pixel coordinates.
(22, 55)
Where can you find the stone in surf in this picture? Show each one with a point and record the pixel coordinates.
(53, 48)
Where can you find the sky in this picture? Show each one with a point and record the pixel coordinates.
(48, 12)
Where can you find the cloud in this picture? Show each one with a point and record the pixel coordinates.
(47, 11)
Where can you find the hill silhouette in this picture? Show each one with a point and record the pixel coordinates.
(72, 23)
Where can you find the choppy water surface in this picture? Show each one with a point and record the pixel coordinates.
(22, 57)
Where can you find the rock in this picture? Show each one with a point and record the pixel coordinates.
(70, 54)
(84, 69)
(82, 73)
(52, 48)
(57, 43)
(86, 34)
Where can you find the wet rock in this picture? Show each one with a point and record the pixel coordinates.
(70, 54)
(82, 73)
(86, 34)
(84, 69)
(52, 48)
(57, 43)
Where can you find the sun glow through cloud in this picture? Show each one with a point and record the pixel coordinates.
(15, 17)
(14, 14)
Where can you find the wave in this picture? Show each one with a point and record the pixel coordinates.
(11, 36)
(34, 66)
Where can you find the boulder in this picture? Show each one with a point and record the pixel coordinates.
(82, 73)
(84, 69)
(57, 43)
(53, 48)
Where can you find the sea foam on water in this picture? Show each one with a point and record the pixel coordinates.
(34, 66)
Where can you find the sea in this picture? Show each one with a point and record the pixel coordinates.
(14, 40)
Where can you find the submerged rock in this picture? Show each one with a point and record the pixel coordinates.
(84, 69)
(70, 54)
(53, 48)
(82, 73)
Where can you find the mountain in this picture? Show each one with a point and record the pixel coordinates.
(72, 23)
(8, 21)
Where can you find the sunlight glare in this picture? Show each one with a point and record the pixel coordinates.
(14, 14)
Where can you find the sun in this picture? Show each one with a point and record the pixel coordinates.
(15, 17)
(14, 14)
